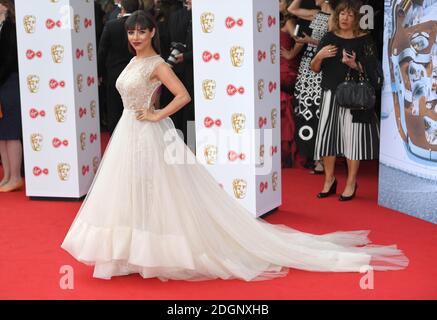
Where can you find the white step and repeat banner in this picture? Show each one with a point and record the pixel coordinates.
(59, 96)
(408, 170)
(237, 94)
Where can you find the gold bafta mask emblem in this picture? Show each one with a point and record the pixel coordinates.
(274, 180)
(259, 21)
(63, 171)
(82, 140)
(240, 188)
(57, 53)
(237, 56)
(36, 141)
(208, 87)
(238, 122)
(260, 89)
(29, 23)
(207, 22)
(79, 81)
(274, 115)
(76, 21)
(95, 164)
(273, 53)
(93, 108)
(261, 155)
(90, 50)
(33, 83)
(210, 153)
(61, 113)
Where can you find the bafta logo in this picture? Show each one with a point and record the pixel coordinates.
(261, 89)
(29, 23)
(237, 56)
(33, 83)
(273, 53)
(274, 114)
(274, 180)
(79, 82)
(93, 108)
(207, 22)
(208, 87)
(238, 122)
(261, 155)
(63, 171)
(259, 21)
(95, 164)
(90, 50)
(240, 188)
(57, 53)
(76, 23)
(82, 141)
(60, 113)
(36, 141)
(210, 153)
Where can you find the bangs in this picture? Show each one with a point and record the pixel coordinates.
(138, 22)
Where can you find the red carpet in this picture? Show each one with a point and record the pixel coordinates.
(31, 233)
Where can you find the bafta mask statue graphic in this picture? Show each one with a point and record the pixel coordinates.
(82, 141)
(210, 153)
(240, 188)
(60, 113)
(90, 50)
(273, 53)
(259, 21)
(29, 23)
(261, 155)
(95, 164)
(275, 181)
(33, 83)
(36, 140)
(57, 53)
(238, 122)
(208, 87)
(274, 115)
(93, 108)
(237, 56)
(261, 85)
(79, 82)
(76, 23)
(207, 22)
(412, 53)
(64, 171)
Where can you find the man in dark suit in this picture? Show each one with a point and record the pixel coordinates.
(113, 57)
(180, 30)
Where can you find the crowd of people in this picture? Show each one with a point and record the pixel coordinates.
(314, 129)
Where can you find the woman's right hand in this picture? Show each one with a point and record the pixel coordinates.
(328, 51)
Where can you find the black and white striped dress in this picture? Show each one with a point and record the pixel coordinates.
(338, 134)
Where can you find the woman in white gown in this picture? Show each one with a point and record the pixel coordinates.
(146, 215)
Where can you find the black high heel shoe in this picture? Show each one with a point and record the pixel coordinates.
(347, 198)
(332, 190)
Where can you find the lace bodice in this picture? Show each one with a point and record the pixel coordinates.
(134, 84)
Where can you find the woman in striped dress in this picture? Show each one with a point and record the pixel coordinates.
(341, 132)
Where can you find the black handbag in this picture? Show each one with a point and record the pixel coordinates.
(356, 95)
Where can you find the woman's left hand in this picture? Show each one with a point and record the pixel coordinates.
(350, 59)
(147, 114)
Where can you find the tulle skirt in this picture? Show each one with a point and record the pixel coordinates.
(153, 210)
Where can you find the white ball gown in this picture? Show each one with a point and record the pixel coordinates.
(173, 221)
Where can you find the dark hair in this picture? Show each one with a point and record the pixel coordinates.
(11, 9)
(141, 20)
(130, 5)
(284, 17)
(352, 5)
